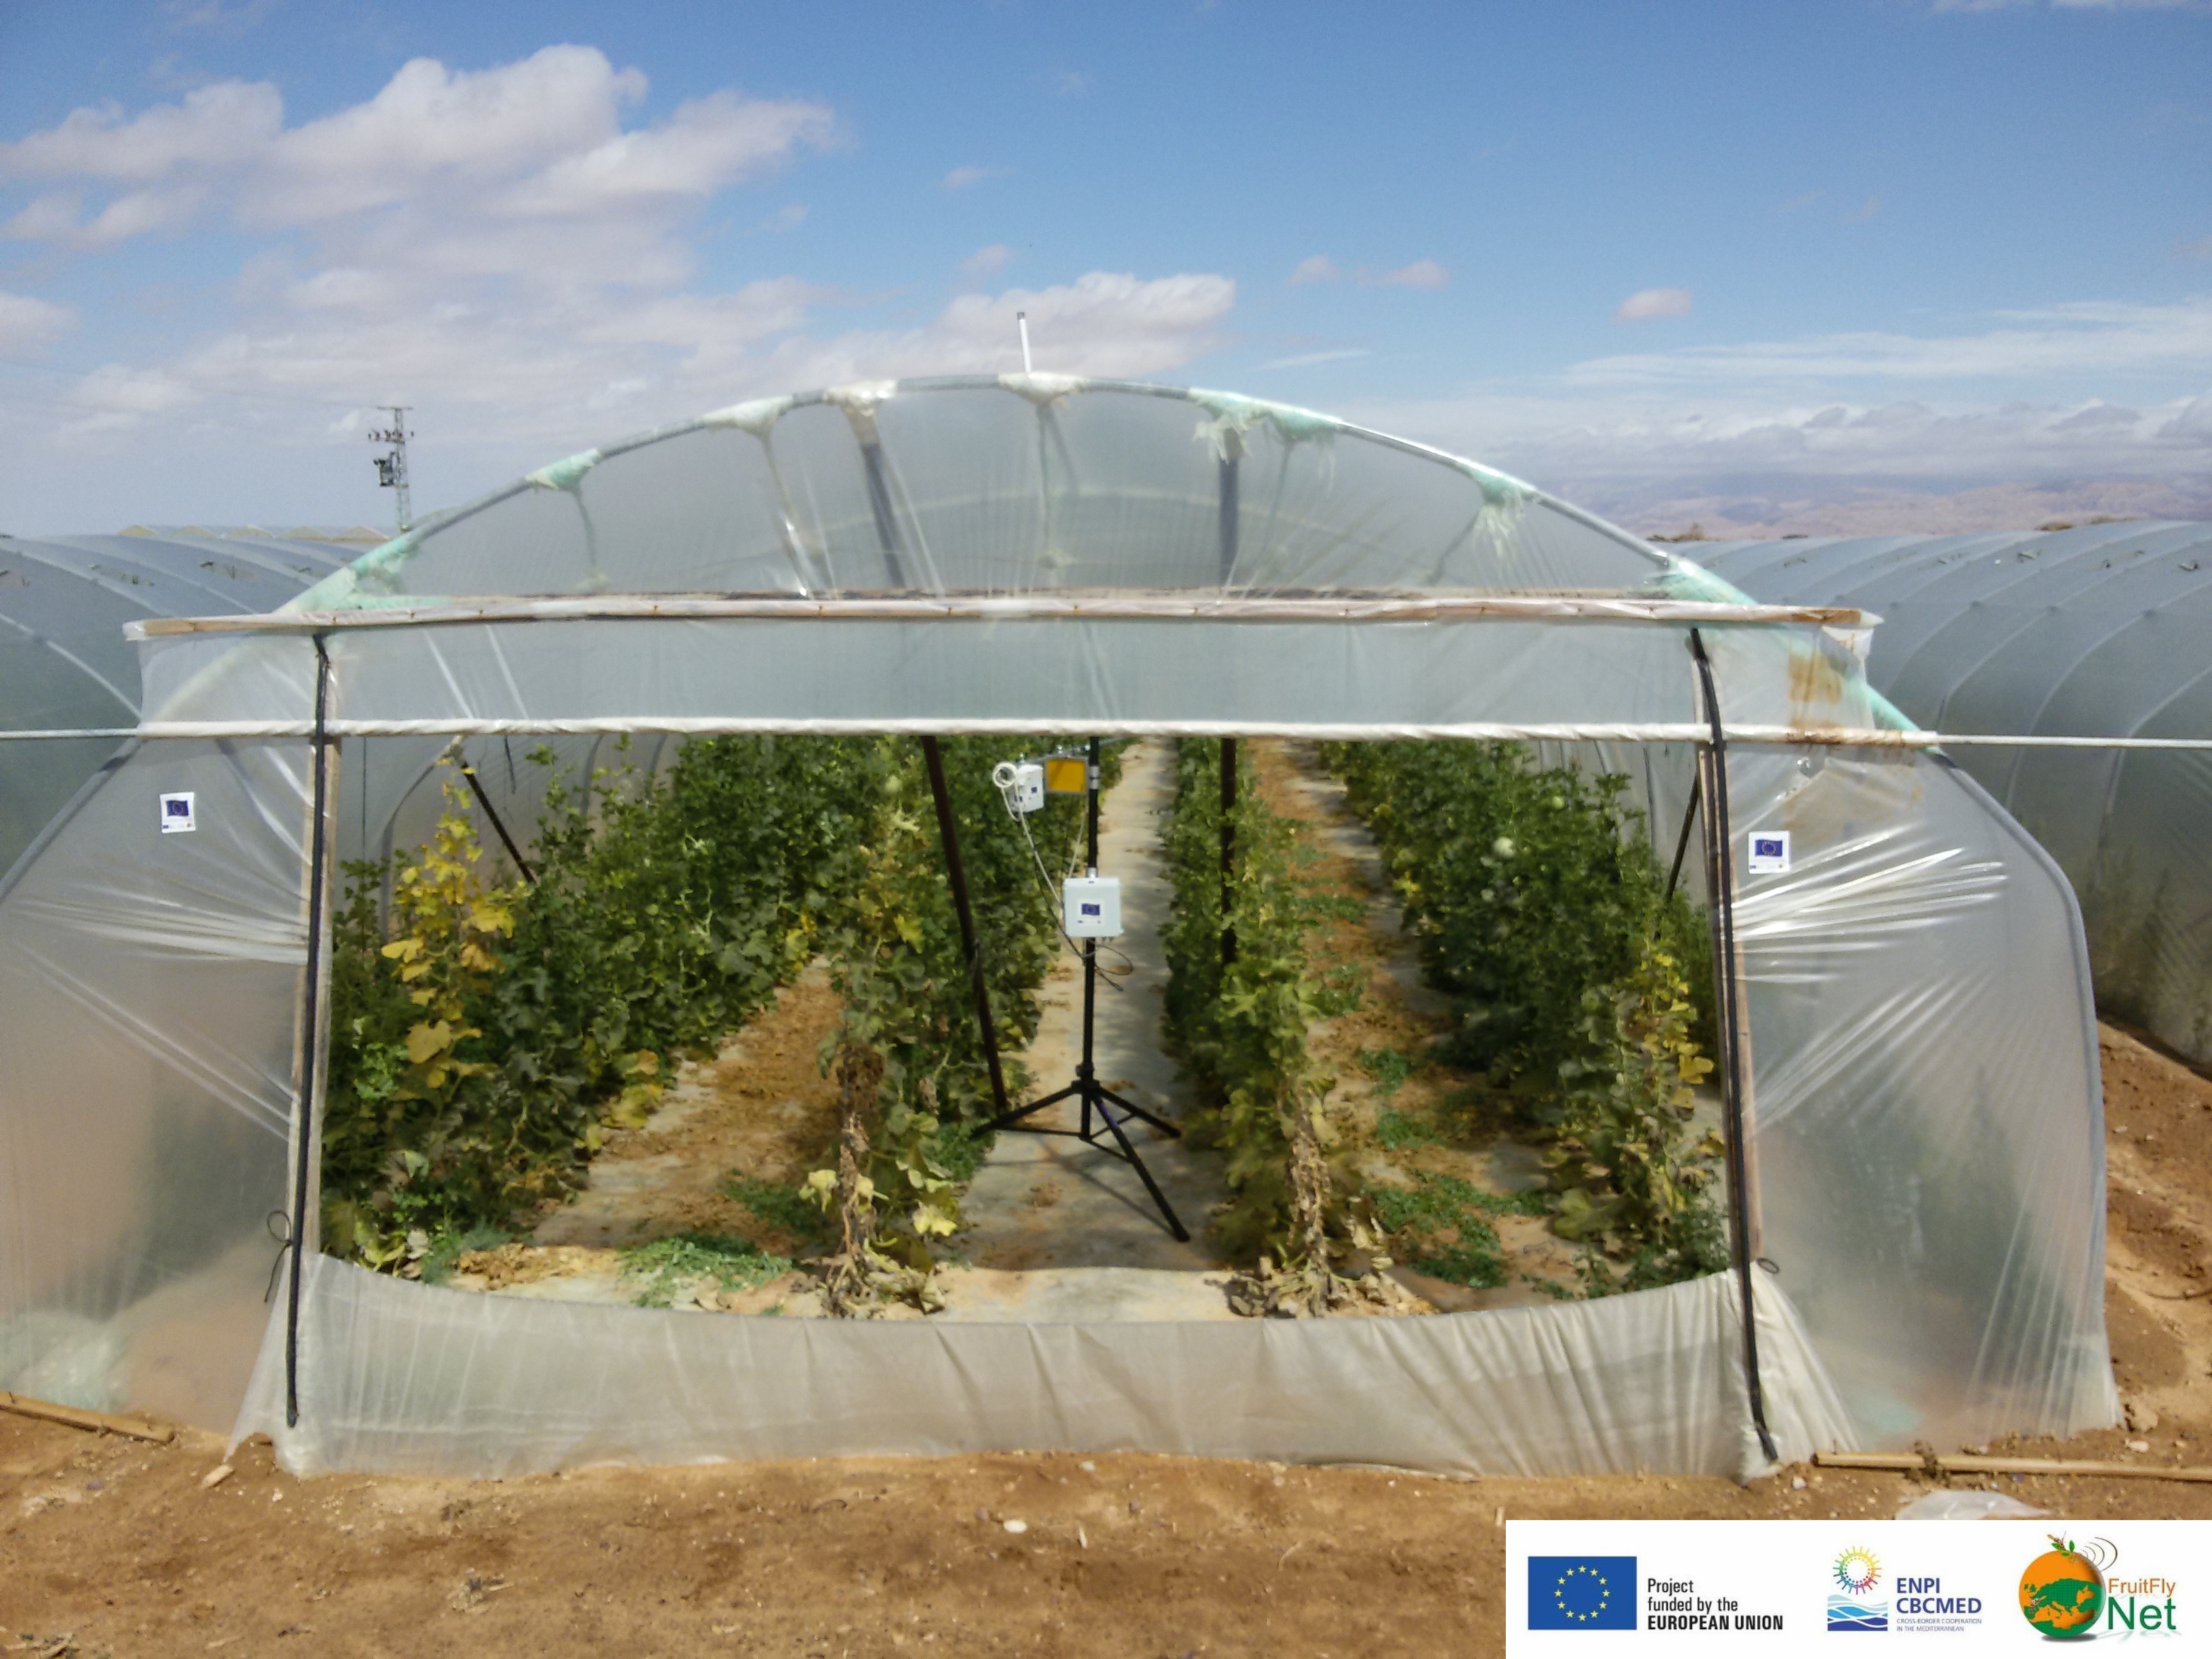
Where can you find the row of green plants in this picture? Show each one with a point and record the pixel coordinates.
(485, 1033)
(1581, 986)
(1239, 1028)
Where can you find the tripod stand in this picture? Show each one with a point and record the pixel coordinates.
(1096, 1096)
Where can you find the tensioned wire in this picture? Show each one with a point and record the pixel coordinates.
(1348, 731)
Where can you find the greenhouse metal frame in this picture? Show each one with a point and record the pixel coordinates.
(1917, 1157)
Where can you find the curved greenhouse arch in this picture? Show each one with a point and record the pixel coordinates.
(2103, 630)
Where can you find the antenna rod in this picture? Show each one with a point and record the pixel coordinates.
(1022, 321)
(391, 469)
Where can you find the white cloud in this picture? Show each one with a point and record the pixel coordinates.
(1311, 359)
(961, 178)
(216, 15)
(511, 252)
(1425, 274)
(1649, 302)
(26, 322)
(986, 261)
(1103, 322)
(1866, 210)
(2086, 337)
(789, 216)
(1618, 456)
(216, 127)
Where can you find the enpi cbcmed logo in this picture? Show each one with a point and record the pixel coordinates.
(1854, 1606)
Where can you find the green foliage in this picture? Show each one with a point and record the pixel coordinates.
(1241, 1032)
(678, 1265)
(482, 1037)
(1583, 988)
(1387, 1066)
(1397, 1130)
(897, 962)
(777, 1203)
(1524, 887)
(1440, 1226)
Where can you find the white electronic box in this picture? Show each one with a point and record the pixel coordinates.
(1021, 782)
(1091, 907)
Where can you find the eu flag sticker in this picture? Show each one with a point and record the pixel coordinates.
(1581, 1592)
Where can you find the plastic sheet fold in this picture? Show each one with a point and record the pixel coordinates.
(408, 1378)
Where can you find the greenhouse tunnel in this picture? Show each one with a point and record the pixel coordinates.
(2095, 630)
(1040, 553)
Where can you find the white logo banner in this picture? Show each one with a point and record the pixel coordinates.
(1584, 1589)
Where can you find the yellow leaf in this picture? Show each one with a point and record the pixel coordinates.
(404, 950)
(427, 1039)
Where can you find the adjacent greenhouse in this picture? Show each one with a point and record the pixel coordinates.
(1909, 1066)
(2103, 630)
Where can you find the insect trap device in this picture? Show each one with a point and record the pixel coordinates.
(1090, 906)
(1022, 783)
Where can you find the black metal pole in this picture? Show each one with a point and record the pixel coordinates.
(1087, 1073)
(933, 756)
(1228, 850)
(1682, 844)
(303, 1230)
(1720, 861)
(1086, 1090)
(476, 788)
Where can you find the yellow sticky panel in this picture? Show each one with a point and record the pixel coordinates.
(1066, 776)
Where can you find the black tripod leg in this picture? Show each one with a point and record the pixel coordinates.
(1174, 1131)
(1129, 1152)
(1013, 1119)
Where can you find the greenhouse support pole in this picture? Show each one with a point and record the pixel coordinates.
(1228, 516)
(1713, 785)
(1682, 843)
(956, 874)
(880, 504)
(311, 1018)
(483, 800)
(1228, 850)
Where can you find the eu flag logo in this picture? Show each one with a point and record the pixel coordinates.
(1581, 1592)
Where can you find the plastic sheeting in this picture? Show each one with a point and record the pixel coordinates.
(405, 1378)
(1923, 1086)
(65, 663)
(2104, 630)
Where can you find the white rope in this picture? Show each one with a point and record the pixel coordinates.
(1349, 732)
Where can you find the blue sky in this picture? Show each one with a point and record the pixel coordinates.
(1818, 265)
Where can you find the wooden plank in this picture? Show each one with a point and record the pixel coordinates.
(1966, 1463)
(76, 1417)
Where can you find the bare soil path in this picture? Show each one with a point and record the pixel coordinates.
(1042, 1205)
(1400, 1108)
